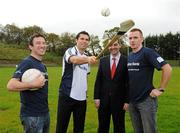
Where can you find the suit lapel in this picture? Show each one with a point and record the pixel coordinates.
(119, 66)
(107, 66)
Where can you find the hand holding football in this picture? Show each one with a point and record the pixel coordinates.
(31, 75)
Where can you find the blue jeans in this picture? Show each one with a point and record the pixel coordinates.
(36, 124)
(143, 115)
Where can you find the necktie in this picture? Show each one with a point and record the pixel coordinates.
(113, 69)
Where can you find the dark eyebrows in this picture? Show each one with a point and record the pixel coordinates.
(83, 38)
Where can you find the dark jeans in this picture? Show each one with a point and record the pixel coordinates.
(36, 124)
(66, 106)
(143, 115)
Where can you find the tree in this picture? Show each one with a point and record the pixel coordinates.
(94, 46)
(177, 46)
(109, 34)
(152, 42)
(166, 45)
(12, 34)
(29, 31)
(53, 41)
(2, 35)
(67, 40)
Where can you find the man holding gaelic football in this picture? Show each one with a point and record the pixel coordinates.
(34, 112)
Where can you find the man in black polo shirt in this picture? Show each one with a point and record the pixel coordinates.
(34, 112)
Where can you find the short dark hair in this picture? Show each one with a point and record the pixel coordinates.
(136, 29)
(35, 36)
(82, 32)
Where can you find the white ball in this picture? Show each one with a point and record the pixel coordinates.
(105, 12)
(30, 75)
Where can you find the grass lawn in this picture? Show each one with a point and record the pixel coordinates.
(168, 109)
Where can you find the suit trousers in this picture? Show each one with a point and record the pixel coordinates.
(66, 106)
(104, 117)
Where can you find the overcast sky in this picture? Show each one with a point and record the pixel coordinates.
(58, 16)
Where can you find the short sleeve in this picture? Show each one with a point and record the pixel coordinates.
(22, 67)
(69, 52)
(154, 59)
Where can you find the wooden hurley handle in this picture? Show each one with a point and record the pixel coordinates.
(124, 27)
(115, 38)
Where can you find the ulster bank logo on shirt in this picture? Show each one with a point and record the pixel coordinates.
(160, 59)
(133, 66)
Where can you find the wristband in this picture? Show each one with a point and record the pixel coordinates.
(161, 90)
